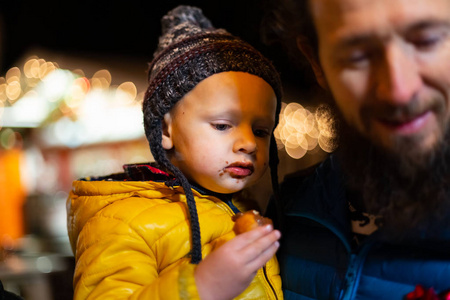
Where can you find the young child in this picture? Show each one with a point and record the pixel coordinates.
(164, 230)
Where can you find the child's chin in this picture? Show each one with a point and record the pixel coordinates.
(230, 188)
(230, 185)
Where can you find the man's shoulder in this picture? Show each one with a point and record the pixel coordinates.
(320, 169)
(318, 186)
(294, 177)
(293, 181)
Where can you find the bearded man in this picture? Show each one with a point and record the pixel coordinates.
(373, 220)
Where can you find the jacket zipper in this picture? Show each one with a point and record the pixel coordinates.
(268, 281)
(356, 261)
(354, 269)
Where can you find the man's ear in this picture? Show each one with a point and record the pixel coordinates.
(305, 47)
(167, 141)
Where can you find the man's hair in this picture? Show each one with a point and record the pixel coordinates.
(284, 21)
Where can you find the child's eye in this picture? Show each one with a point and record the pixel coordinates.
(221, 127)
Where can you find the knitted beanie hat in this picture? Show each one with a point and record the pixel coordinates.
(190, 49)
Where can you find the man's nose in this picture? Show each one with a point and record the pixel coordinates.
(245, 141)
(398, 77)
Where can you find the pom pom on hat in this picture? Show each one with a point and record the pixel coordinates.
(190, 49)
(180, 23)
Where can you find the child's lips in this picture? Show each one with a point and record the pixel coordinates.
(239, 169)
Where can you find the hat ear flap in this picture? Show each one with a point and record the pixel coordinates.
(167, 140)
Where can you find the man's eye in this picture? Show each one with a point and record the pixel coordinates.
(426, 42)
(261, 132)
(221, 127)
(358, 58)
(354, 58)
(427, 38)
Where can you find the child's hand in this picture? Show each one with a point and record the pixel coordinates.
(227, 271)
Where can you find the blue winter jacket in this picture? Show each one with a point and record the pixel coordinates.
(316, 257)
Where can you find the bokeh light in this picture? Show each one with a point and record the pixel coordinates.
(301, 130)
(67, 102)
(48, 94)
(7, 138)
(126, 92)
(101, 80)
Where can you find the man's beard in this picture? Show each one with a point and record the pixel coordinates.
(408, 189)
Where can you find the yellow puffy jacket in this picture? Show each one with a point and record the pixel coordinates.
(131, 240)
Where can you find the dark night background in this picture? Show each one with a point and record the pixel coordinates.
(120, 36)
(129, 29)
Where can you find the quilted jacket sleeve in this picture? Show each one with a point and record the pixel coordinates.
(115, 261)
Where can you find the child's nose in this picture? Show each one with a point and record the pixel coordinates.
(245, 142)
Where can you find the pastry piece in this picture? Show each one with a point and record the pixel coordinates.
(248, 220)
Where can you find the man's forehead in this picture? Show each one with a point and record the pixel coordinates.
(342, 8)
(342, 17)
(319, 6)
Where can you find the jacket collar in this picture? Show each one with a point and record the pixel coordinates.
(150, 172)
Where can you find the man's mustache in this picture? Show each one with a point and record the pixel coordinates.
(389, 112)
